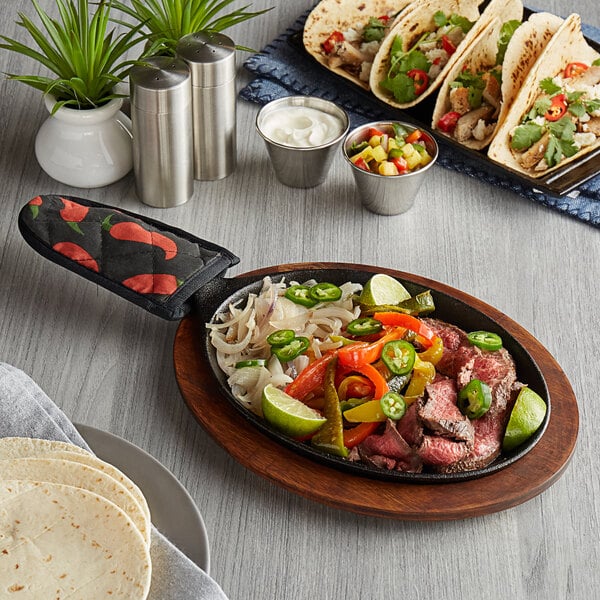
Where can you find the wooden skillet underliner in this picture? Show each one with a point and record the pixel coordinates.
(509, 487)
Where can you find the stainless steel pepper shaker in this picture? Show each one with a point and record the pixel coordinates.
(161, 118)
(211, 58)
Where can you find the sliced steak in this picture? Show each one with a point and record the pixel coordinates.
(465, 362)
(390, 451)
(453, 338)
(410, 427)
(441, 453)
(439, 413)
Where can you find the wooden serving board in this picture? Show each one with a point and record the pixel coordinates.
(517, 483)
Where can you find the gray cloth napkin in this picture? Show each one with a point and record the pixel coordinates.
(26, 411)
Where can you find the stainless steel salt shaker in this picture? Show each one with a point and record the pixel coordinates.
(161, 118)
(211, 58)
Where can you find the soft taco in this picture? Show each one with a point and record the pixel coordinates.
(425, 43)
(477, 93)
(555, 118)
(345, 35)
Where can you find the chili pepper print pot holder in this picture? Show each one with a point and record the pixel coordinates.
(154, 265)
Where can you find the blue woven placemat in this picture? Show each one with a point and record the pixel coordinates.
(283, 69)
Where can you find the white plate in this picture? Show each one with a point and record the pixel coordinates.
(174, 512)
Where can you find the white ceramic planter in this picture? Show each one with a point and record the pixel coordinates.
(85, 148)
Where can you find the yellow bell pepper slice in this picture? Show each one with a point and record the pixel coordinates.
(423, 374)
(434, 353)
(368, 412)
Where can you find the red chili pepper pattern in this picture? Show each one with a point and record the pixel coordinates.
(153, 283)
(34, 205)
(73, 213)
(78, 254)
(133, 232)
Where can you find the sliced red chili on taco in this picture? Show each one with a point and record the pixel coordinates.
(477, 93)
(555, 118)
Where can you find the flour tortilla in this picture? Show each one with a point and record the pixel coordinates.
(31, 447)
(567, 45)
(340, 15)
(68, 472)
(415, 22)
(18, 447)
(59, 541)
(524, 48)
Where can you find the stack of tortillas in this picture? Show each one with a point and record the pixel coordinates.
(71, 525)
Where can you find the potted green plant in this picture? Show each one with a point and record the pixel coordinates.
(86, 58)
(167, 21)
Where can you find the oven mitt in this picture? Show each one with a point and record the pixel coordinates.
(154, 265)
(26, 411)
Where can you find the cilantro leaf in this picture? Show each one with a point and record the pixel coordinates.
(506, 33)
(563, 129)
(553, 153)
(526, 135)
(374, 31)
(596, 63)
(549, 86)
(401, 86)
(462, 22)
(541, 106)
(577, 109)
(592, 105)
(440, 19)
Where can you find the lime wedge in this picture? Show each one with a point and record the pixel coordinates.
(382, 289)
(525, 419)
(288, 415)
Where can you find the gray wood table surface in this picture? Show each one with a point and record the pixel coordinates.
(109, 364)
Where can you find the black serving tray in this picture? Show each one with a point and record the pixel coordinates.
(558, 183)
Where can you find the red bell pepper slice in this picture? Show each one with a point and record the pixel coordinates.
(361, 163)
(395, 319)
(310, 378)
(448, 45)
(356, 435)
(420, 78)
(557, 109)
(414, 136)
(330, 43)
(400, 163)
(447, 123)
(363, 353)
(378, 380)
(373, 131)
(574, 69)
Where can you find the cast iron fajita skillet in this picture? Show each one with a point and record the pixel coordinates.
(46, 223)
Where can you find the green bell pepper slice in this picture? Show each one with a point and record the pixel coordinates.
(330, 438)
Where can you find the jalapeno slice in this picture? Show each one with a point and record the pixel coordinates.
(393, 406)
(486, 340)
(300, 294)
(291, 350)
(474, 399)
(325, 292)
(281, 337)
(399, 357)
(254, 362)
(364, 326)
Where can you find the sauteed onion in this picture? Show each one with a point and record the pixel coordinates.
(241, 334)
